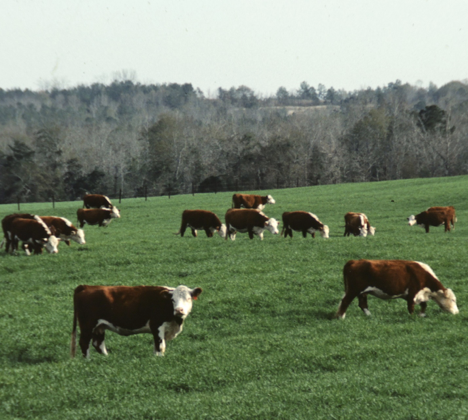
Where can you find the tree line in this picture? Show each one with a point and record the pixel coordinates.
(136, 139)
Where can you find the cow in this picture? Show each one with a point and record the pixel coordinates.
(64, 229)
(390, 279)
(249, 220)
(34, 233)
(101, 217)
(201, 219)
(449, 209)
(250, 201)
(302, 221)
(6, 226)
(96, 201)
(432, 218)
(358, 225)
(127, 310)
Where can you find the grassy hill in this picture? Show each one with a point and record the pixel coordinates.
(261, 341)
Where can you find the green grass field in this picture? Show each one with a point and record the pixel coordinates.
(261, 341)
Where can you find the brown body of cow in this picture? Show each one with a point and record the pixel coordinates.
(201, 219)
(251, 201)
(449, 210)
(305, 222)
(101, 217)
(64, 229)
(96, 201)
(249, 220)
(32, 233)
(435, 218)
(6, 226)
(390, 279)
(357, 224)
(126, 310)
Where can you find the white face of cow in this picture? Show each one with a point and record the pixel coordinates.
(411, 220)
(115, 212)
(272, 226)
(222, 231)
(446, 300)
(52, 244)
(270, 199)
(182, 298)
(78, 236)
(325, 232)
(372, 231)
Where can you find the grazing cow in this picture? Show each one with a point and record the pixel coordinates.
(64, 230)
(201, 219)
(302, 221)
(249, 220)
(101, 217)
(448, 209)
(6, 226)
(97, 201)
(126, 310)
(432, 218)
(358, 225)
(390, 279)
(250, 201)
(33, 232)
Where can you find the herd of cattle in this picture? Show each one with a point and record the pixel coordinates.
(161, 311)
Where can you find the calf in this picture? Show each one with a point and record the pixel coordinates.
(101, 217)
(390, 279)
(249, 220)
(201, 219)
(6, 226)
(126, 310)
(302, 221)
(96, 201)
(64, 229)
(33, 232)
(250, 201)
(358, 225)
(432, 218)
(450, 210)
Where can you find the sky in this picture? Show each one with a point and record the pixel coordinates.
(262, 44)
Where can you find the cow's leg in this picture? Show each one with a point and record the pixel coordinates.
(447, 225)
(427, 228)
(363, 304)
(288, 232)
(159, 341)
(98, 341)
(345, 302)
(304, 233)
(85, 338)
(251, 233)
(410, 301)
(208, 232)
(423, 309)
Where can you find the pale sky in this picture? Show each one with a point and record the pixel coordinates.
(347, 44)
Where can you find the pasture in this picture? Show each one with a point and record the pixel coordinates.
(261, 341)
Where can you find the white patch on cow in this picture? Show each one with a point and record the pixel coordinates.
(102, 323)
(374, 291)
(88, 354)
(272, 226)
(222, 231)
(79, 237)
(102, 347)
(422, 296)
(412, 220)
(270, 200)
(26, 250)
(325, 232)
(372, 231)
(38, 219)
(261, 207)
(115, 213)
(427, 268)
(314, 216)
(67, 222)
(52, 244)
(366, 311)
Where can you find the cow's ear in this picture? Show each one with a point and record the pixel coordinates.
(196, 292)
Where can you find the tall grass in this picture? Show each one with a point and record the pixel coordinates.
(261, 341)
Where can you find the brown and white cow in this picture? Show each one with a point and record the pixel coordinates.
(101, 217)
(436, 218)
(126, 310)
(64, 229)
(249, 220)
(358, 225)
(201, 219)
(305, 222)
(450, 210)
(390, 279)
(97, 201)
(6, 227)
(251, 201)
(34, 233)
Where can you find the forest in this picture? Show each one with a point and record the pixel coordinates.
(131, 139)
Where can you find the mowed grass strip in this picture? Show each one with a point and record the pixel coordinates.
(261, 341)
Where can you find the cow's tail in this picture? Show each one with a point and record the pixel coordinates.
(3, 242)
(177, 233)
